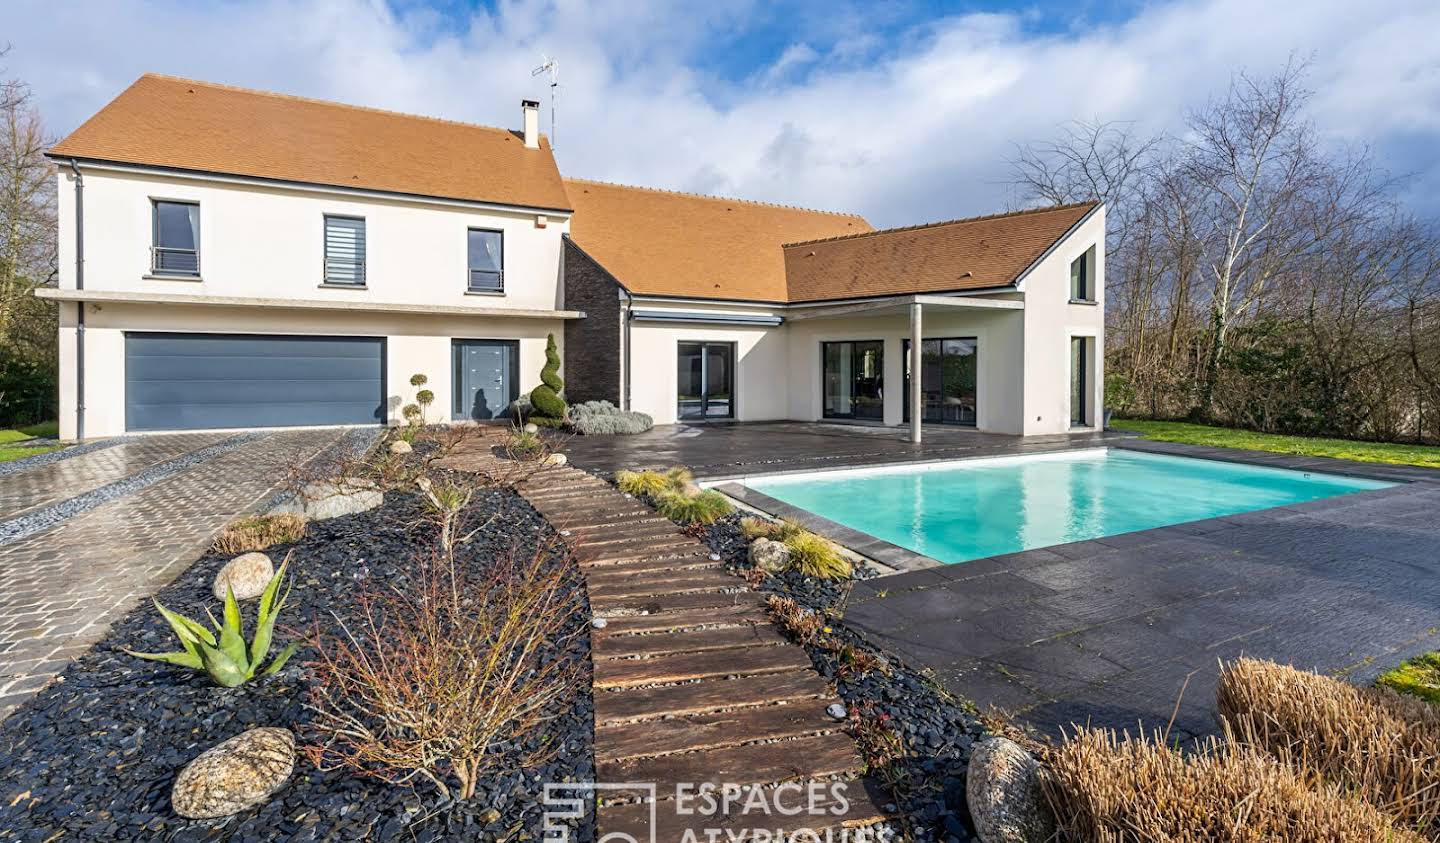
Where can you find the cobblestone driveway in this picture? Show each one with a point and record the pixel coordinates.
(61, 587)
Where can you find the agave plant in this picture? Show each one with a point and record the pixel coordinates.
(223, 654)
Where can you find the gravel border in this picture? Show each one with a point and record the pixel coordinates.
(66, 453)
(46, 517)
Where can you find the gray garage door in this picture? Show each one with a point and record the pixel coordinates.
(192, 381)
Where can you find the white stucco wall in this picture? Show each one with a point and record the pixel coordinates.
(413, 344)
(268, 241)
(1051, 320)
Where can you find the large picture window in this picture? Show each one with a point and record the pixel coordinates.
(948, 369)
(175, 232)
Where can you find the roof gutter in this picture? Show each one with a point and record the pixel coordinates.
(79, 305)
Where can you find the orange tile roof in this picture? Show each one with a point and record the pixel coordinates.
(940, 257)
(658, 242)
(168, 122)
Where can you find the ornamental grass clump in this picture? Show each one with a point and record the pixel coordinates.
(1109, 789)
(706, 507)
(761, 528)
(814, 556)
(223, 654)
(652, 484)
(258, 532)
(450, 674)
(1373, 742)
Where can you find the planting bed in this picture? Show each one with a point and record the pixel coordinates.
(94, 756)
(936, 731)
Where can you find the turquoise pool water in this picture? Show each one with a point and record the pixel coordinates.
(960, 511)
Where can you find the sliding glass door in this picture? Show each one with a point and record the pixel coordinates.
(853, 374)
(705, 380)
(947, 380)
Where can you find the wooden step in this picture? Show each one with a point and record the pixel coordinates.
(668, 546)
(621, 673)
(632, 704)
(597, 574)
(801, 759)
(673, 821)
(654, 562)
(620, 535)
(711, 731)
(607, 607)
(677, 582)
(694, 619)
(689, 641)
(577, 521)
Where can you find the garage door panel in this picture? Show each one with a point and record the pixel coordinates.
(189, 381)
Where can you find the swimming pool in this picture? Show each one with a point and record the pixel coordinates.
(955, 512)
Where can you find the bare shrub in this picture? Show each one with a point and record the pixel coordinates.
(447, 673)
(1373, 742)
(258, 532)
(802, 624)
(1107, 789)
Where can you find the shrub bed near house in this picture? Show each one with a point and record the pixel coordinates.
(94, 756)
(597, 418)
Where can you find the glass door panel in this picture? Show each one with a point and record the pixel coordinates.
(853, 379)
(948, 370)
(1079, 377)
(705, 380)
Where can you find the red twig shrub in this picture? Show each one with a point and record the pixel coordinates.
(446, 670)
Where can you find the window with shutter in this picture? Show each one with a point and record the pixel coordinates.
(344, 250)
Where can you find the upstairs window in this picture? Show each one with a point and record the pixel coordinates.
(344, 250)
(1082, 277)
(175, 236)
(486, 261)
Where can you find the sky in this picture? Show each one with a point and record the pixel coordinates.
(903, 111)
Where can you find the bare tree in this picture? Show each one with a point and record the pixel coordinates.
(27, 210)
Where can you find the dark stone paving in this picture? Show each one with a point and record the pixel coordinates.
(62, 587)
(724, 450)
(1130, 629)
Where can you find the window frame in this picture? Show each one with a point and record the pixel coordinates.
(1087, 292)
(470, 288)
(325, 279)
(156, 270)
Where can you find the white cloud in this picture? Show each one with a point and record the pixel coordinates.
(916, 128)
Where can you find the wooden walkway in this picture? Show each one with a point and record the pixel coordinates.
(692, 682)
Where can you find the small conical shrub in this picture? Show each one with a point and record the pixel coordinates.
(545, 398)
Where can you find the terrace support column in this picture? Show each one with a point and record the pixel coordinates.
(914, 396)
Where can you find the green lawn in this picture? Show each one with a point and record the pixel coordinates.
(11, 439)
(1224, 437)
(1418, 677)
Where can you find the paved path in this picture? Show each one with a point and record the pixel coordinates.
(61, 587)
(692, 682)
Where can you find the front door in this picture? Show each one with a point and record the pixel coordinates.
(854, 379)
(486, 378)
(705, 380)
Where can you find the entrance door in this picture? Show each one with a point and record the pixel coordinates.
(705, 380)
(947, 380)
(486, 378)
(854, 379)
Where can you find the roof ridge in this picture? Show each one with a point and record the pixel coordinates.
(961, 220)
(715, 198)
(317, 101)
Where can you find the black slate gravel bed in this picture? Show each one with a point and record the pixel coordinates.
(93, 756)
(937, 730)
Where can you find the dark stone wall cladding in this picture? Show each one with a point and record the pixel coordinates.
(592, 344)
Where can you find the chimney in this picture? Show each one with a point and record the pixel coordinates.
(531, 111)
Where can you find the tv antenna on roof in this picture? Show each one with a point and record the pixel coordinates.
(552, 67)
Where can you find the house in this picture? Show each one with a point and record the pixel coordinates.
(233, 259)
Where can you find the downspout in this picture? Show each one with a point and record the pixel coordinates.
(625, 316)
(79, 305)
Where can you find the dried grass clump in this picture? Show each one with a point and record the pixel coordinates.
(258, 532)
(1373, 742)
(704, 508)
(1108, 790)
(814, 556)
(762, 528)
